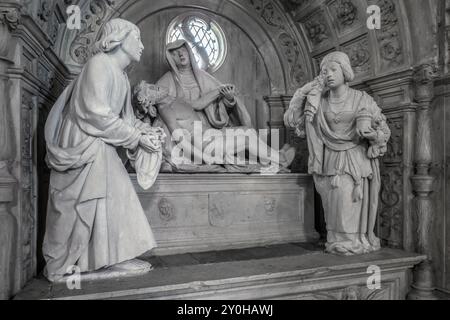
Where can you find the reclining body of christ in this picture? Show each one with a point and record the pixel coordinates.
(207, 120)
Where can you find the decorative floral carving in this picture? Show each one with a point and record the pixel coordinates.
(395, 145)
(9, 17)
(28, 192)
(391, 217)
(289, 45)
(291, 50)
(346, 12)
(166, 210)
(391, 49)
(99, 10)
(44, 11)
(317, 29)
(359, 55)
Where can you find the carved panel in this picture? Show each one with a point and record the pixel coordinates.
(345, 15)
(290, 47)
(389, 38)
(395, 145)
(391, 207)
(391, 194)
(359, 54)
(93, 19)
(27, 185)
(317, 29)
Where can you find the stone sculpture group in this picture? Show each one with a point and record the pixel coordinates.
(95, 220)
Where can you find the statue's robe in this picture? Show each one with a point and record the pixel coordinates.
(346, 170)
(221, 113)
(94, 217)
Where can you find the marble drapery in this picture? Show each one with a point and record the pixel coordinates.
(346, 169)
(94, 217)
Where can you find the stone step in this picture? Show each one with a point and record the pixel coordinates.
(293, 272)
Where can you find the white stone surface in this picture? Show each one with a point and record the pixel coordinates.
(202, 212)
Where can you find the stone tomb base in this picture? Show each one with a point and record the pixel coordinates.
(203, 212)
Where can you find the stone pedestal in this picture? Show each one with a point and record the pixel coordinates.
(203, 212)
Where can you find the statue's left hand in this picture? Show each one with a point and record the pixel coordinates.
(292, 116)
(370, 135)
(228, 91)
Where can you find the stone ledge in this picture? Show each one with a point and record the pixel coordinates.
(306, 275)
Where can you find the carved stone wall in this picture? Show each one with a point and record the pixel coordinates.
(35, 77)
(265, 22)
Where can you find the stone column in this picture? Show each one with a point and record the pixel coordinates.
(422, 182)
(8, 21)
(277, 108)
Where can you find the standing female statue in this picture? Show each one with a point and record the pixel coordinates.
(346, 134)
(94, 217)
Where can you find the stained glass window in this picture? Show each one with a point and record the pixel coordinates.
(205, 37)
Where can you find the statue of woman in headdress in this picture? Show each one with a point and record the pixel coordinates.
(347, 134)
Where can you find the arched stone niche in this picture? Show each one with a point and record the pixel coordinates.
(262, 24)
(266, 56)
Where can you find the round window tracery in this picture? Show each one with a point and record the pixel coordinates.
(205, 37)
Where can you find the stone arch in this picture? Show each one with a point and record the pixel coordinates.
(271, 30)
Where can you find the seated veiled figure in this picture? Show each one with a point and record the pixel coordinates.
(196, 98)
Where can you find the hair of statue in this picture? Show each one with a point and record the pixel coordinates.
(343, 60)
(112, 35)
